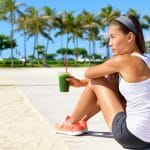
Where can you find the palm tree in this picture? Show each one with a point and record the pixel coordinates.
(2, 12)
(22, 26)
(59, 25)
(77, 30)
(40, 52)
(107, 14)
(36, 25)
(66, 25)
(50, 14)
(94, 35)
(146, 20)
(133, 12)
(77, 33)
(90, 24)
(8, 9)
(138, 16)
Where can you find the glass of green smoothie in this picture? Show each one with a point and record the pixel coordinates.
(63, 83)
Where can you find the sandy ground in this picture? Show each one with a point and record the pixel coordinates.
(21, 126)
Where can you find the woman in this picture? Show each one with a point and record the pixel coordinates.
(128, 120)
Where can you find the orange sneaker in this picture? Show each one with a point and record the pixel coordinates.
(71, 129)
(84, 126)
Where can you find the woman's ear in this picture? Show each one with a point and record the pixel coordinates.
(131, 37)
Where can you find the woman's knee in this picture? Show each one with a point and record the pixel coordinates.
(103, 82)
(98, 83)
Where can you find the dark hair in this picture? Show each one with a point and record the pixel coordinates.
(139, 36)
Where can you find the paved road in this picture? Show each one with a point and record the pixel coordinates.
(41, 87)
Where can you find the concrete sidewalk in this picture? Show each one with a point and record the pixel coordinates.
(40, 85)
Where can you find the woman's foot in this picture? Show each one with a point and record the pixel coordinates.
(71, 129)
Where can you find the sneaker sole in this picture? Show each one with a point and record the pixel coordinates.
(73, 133)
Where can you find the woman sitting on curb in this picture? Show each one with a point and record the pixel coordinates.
(127, 114)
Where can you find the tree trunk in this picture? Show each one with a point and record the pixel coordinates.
(45, 53)
(77, 54)
(89, 53)
(35, 45)
(11, 44)
(25, 52)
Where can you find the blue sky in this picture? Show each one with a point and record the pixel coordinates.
(141, 6)
(92, 5)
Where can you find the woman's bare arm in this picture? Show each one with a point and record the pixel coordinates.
(110, 66)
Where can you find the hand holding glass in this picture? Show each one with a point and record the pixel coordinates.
(63, 83)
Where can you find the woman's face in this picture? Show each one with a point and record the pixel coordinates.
(118, 41)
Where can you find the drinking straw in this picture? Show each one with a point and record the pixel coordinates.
(66, 63)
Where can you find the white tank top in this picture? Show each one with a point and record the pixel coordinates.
(137, 96)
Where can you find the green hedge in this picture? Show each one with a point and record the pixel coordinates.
(50, 63)
(8, 61)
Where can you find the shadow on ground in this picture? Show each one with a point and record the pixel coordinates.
(98, 134)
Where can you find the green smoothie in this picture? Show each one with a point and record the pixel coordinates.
(63, 83)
